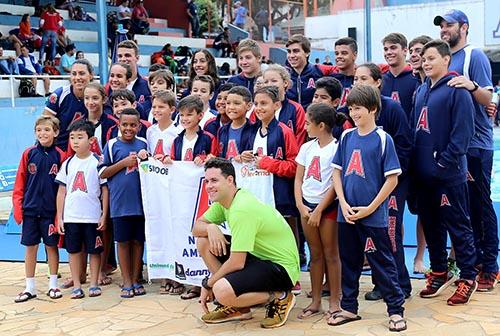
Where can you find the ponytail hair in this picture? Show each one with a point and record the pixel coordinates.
(324, 113)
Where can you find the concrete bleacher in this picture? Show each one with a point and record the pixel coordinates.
(84, 35)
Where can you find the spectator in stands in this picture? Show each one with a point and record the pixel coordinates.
(262, 22)
(250, 26)
(225, 69)
(26, 35)
(28, 65)
(140, 16)
(222, 43)
(125, 14)
(67, 59)
(8, 64)
(240, 15)
(50, 23)
(194, 20)
(49, 68)
(128, 53)
(82, 15)
(203, 63)
(10, 42)
(327, 61)
(68, 5)
(80, 55)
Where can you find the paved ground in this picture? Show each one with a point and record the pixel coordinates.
(155, 314)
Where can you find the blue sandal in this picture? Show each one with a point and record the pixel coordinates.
(77, 293)
(138, 290)
(95, 291)
(127, 292)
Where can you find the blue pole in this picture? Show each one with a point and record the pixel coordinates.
(368, 31)
(102, 39)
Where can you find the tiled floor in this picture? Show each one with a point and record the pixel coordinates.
(155, 314)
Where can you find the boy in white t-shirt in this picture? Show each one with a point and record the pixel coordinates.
(161, 135)
(203, 87)
(82, 205)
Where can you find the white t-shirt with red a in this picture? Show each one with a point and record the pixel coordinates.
(318, 171)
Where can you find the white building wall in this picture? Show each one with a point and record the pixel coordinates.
(411, 20)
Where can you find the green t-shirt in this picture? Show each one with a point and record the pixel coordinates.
(258, 229)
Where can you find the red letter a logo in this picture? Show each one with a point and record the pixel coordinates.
(423, 121)
(232, 149)
(356, 164)
(159, 148)
(79, 182)
(392, 203)
(444, 200)
(369, 246)
(314, 169)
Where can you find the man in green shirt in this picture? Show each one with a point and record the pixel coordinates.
(263, 263)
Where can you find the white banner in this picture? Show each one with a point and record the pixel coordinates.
(174, 197)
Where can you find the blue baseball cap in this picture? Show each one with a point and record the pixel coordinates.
(452, 16)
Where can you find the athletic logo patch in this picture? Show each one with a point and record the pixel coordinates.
(356, 164)
(423, 121)
(32, 168)
(98, 242)
(232, 149)
(159, 148)
(395, 96)
(189, 155)
(132, 168)
(311, 83)
(279, 154)
(392, 203)
(343, 99)
(314, 169)
(79, 182)
(444, 200)
(370, 245)
(53, 98)
(52, 230)
(54, 169)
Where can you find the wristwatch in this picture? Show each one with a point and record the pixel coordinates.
(204, 283)
(476, 86)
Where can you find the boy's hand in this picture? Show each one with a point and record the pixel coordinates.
(347, 212)
(143, 154)
(159, 157)
(167, 160)
(360, 212)
(60, 226)
(237, 158)
(491, 110)
(131, 160)
(209, 156)
(198, 161)
(314, 218)
(102, 224)
(247, 156)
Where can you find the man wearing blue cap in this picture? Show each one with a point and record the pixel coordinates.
(475, 75)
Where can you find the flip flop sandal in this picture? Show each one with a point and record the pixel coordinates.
(105, 281)
(307, 313)
(127, 292)
(77, 293)
(393, 323)
(24, 296)
(330, 313)
(177, 289)
(165, 289)
(54, 293)
(95, 291)
(192, 293)
(345, 319)
(138, 290)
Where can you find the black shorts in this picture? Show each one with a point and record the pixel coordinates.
(36, 228)
(259, 276)
(128, 228)
(84, 236)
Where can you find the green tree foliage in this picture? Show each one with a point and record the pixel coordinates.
(206, 7)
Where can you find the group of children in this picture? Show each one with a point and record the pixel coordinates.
(341, 187)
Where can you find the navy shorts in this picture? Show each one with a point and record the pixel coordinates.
(330, 212)
(128, 228)
(82, 236)
(35, 229)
